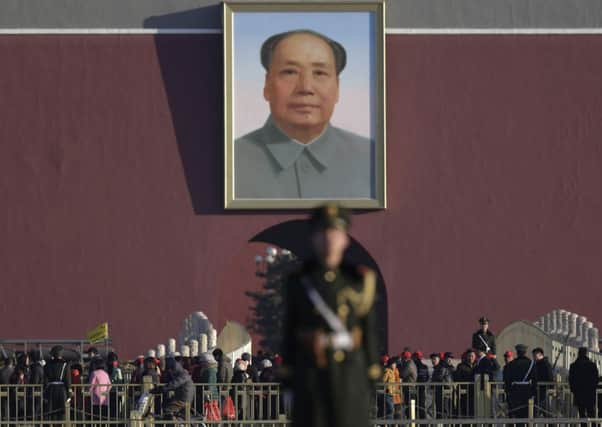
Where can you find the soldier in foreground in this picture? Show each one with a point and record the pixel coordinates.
(329, 349)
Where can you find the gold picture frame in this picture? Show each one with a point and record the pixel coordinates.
(257, 18)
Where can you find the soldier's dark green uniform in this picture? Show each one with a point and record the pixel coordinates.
(332, 387)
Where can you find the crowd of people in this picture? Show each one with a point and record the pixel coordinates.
(523, 378)
(58, 376)
(214, 371)
(406, 377)
(174, 380)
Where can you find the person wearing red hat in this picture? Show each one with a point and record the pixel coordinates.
(382, 403)
(508, 357)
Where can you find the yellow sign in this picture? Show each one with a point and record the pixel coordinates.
(99, 333)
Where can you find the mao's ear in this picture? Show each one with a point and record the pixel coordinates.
(266, 89)
(338, 86)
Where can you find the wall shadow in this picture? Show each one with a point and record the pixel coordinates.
(292, 235)
(192, 72)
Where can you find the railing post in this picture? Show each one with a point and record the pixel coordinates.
(135, 419)
(187, 413)
(67, 413)
(147, 386)
(487, 412)
(478, 397)
(413, 412)
(531, 411)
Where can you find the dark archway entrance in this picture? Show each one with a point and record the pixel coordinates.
(292, 235)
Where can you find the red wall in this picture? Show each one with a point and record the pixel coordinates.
(111, 189)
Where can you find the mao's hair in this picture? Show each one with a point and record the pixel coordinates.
(269, 46)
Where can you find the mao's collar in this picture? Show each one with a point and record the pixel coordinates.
(286, 150)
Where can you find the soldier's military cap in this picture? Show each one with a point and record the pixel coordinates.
(483, 320)
(520, 348)
(56, 351)
(330, 215)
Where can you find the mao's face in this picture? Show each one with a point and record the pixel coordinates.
(301, 85)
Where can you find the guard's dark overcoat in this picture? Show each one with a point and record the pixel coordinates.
(57, 386)
(480, 341)
(331, 388)
(519, 383)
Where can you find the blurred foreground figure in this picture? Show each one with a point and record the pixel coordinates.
(329, 349)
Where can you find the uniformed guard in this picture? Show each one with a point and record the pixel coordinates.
(57, 384)
(519, 383)
(484, 339)
(329, 348)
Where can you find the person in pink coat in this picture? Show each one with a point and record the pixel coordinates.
(100, 386)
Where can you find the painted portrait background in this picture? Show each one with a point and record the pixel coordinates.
(354, 30)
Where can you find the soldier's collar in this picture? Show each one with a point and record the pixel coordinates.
(286, 150)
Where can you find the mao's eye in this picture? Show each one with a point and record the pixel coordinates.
(288, 72)
(320, 73)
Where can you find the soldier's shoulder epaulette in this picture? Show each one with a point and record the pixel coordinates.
(364, 292)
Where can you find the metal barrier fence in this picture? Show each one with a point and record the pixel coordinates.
(467, 400)
(115, 403)
(265, 405)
